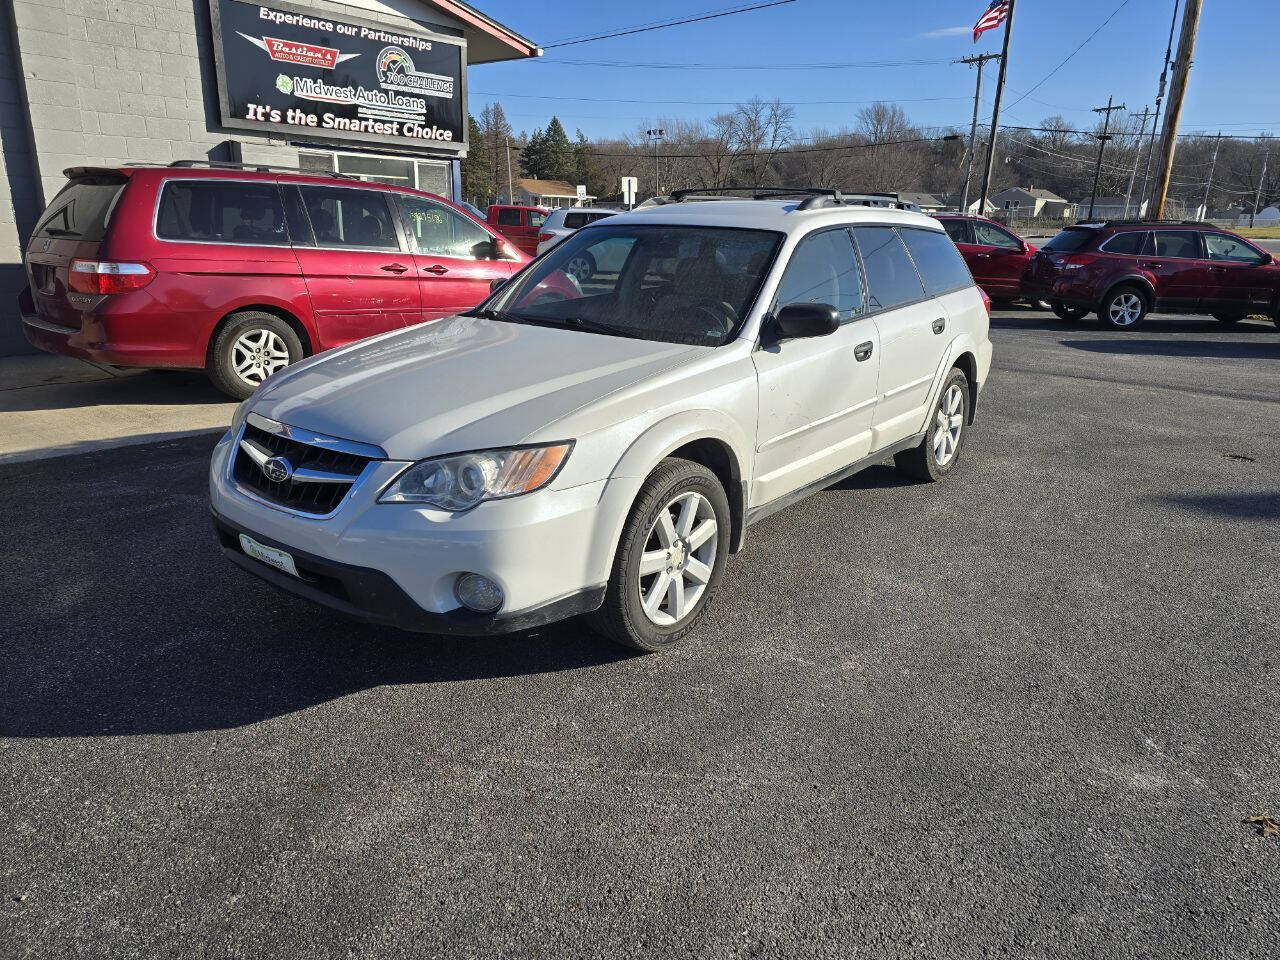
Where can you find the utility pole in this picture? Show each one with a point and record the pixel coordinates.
(1146, 115)
(1257, 197)
(1204, 207)
(1164, 76)
(1102, 145)
(511, 195)
(656, 135)
(995, 110)
(1173, 113)
(973, 129)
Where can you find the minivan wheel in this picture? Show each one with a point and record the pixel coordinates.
(939, 451)
(581, 266)
(669, 560)
(249, 348)
(1063, 312)
(1124, 308)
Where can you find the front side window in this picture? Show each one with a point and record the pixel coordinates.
(1220, 246)
(891, 276)
(221, 211)
(1177, 244)
(937, 260)
(343, 217)
(693, 285)
(435, 229)
(1133, 243)
(992, 236)
(509, 217)
(960, 231)
(823, 269)
(536, 219)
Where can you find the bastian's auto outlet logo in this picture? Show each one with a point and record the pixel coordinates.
(307, 54)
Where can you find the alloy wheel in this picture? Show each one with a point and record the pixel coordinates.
(1124, 309)
(257, 354)
(679, 555)
(948, 422)
(580, 269)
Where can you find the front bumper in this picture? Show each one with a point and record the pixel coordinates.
(549, 551)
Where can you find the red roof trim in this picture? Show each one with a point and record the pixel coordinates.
(469, 16)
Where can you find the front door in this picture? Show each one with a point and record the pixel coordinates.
(1238, 277)
(997, 260)
(817, 395)
(359, 274)
(453, 257)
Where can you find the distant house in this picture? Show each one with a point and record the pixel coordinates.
(951, 201)
(1112, 208)
(547, 193)
(1030, 202)
(927, 202)
(1268, 216)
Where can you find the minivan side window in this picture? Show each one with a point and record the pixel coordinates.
(343, 217)
(891, 276)
(823, 269)
(435, 229)
(937, 259)
(221, 211)
(1177, 244)
(509, 217)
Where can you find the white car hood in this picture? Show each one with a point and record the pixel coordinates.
(462, 383)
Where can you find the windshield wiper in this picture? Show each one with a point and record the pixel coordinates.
(594, 326)
(60, 232)
(501, 316)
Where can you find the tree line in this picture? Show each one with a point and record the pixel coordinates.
(757, 144)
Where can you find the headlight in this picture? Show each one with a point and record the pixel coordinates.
(462, 481)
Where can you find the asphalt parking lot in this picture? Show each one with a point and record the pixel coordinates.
(1022, 713)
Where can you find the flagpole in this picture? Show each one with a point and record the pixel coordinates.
(995, 112)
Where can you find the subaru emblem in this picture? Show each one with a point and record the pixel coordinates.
(277, 469)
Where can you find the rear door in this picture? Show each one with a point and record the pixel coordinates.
(905, 318)
(1238, 282)
(817, 395)
(360, 273)
(73, 226)
(1178, 265)
(453, 257)
(998, 260)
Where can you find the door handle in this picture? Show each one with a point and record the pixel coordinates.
(436, 269)
(395, 268)
(983, 256)
(939, 325)
(863, 351)
(1151, 265)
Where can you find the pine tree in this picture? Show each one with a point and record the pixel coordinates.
(497, 131)
(533, 157)
(477, 166)
(558, 160)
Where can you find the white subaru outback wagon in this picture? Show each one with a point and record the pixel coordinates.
(600, 447)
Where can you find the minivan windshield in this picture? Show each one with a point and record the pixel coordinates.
(679, 284)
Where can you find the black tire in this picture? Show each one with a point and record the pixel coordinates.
(921, 462)
(1228, 318)
(1117, 302)
(221, 367)
(622, 618)
(1070, 314)
(585, 271)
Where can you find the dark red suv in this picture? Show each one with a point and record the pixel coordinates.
(243, 271)
(1125, 269)
(997, 257)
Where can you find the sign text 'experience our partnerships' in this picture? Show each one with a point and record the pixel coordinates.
(286, 71)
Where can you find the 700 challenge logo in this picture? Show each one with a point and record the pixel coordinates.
(397, 72)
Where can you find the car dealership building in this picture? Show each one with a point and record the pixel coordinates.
(369, 88)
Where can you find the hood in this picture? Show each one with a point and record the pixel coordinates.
(462, 383)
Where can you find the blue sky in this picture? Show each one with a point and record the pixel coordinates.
(1233, 84)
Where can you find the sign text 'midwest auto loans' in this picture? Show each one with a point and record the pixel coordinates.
(282, 70)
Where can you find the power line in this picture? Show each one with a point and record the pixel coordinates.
(786, 151)
(671, 23)
(1041, 82)
(648, 65)
(713, 103)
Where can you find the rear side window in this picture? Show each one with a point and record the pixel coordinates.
(958, 230)
(221, 211)
(343, 217)
(82, 208)
(1133, 244)
(939, 262)
(1069, 241)
(574, 221)
(891, 277)
(509, 217)
(1177, 244)
(823, 269)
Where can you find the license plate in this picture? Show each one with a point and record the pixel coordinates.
(268, 555)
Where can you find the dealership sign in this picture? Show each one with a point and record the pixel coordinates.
(290, 70)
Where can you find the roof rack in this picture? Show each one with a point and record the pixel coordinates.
(259, 168)
(1139, 223)
(814, 197)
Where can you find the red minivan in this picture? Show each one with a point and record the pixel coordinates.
(242, 270)
(996, 256)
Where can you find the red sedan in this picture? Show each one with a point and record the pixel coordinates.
(996, 256)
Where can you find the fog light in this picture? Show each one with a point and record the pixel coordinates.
(478, 593)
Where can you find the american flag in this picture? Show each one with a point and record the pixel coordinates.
(991, 18)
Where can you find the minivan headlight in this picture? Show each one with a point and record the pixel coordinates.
(462, 481)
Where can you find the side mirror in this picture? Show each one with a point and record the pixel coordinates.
(797, 320)
(497, 283)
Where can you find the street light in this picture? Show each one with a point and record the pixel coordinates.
(657, 135)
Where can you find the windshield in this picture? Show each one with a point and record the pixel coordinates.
(691, 285)
(1069, 240)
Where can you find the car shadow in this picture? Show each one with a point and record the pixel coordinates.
(136, 624)
(152, 388)
(1217, 349)
(883, 476)
(1262, 506)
